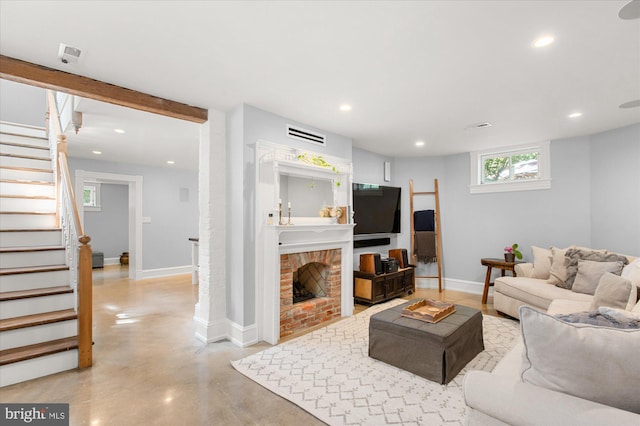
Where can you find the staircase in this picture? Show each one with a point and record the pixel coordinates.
(38, 318)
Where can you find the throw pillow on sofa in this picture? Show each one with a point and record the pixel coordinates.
(559, 263)
(590, 362)
(589, 274)
(541, 262)
(576, 254)
(615, 292)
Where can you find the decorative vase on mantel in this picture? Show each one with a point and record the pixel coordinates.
(509, 257)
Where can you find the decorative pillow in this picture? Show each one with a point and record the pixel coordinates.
(600, 319)
(590, 272)
(589, 362)
(615, 292)
(541, 262)
(620, 315)
(559, 263)
(576, 254)
(632, 273)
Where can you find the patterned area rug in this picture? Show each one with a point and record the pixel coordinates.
(329, 374)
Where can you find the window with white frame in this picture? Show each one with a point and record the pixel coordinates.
(91, 196)
(518, 168)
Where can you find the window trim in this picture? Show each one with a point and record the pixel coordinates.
(544, 169)
(98, 206)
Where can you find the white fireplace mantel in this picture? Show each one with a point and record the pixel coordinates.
(305, 234)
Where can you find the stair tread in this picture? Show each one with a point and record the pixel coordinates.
(30, 249)
(27, 182)
(24, 353)
(29, 157)
(27, 169)
(32, 230)
(38, 292)
(39, 213)
(29, 197)
(32, 269)
(37, 319)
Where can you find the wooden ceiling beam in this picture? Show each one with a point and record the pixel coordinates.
(49, 78)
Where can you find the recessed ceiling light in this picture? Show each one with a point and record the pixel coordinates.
(630, 10)
(575, 115)
(118, 131)
(630, 104)
(420, 143)
(345, 107)
(543, 41)
(97, 152)
(171, 162)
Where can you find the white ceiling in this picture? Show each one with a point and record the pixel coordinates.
(411, 70)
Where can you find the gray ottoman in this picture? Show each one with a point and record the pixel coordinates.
(434, 351)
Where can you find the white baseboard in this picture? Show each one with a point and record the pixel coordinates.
(209, 332)
(111, 260)
(165, 272)
(472, 287)
(242, 336)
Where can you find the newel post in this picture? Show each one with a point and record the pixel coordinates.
(85, 308)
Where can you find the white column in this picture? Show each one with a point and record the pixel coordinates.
(210, 313)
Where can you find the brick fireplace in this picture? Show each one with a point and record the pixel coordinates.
(325, 274)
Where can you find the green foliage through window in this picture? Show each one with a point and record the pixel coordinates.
(509, 168)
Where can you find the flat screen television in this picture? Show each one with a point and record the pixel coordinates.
(376, 209)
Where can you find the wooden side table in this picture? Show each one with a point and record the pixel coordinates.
(493, 262)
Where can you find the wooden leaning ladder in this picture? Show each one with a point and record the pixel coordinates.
(438, 230)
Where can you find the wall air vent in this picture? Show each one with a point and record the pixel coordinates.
(305, 135)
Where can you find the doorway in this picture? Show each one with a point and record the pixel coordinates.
(134, 207)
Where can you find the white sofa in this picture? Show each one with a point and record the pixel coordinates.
(558, 392)
(502, 398)
(530, 287)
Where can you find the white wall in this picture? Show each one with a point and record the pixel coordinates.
(22, 104)
(165, 241)
(109, 227)
(245, 126)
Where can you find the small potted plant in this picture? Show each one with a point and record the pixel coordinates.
(511, 253)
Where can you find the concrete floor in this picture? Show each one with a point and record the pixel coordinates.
(149, 368)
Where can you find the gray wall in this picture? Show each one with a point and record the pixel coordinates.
(22, 104)
(594, 201)
(615, 190)
(245, 126)
(109, 227)
(165, 241)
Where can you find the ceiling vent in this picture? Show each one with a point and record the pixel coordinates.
(478, 126)
(305, 135)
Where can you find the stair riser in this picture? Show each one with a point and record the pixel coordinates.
(38, 367)
(27, 205)
(38, 334)
(11, 188)
(34, 258)
(12, 174)
(20, 130)
(24, 162)
(24, 140)
(36, 305)
(23, 150)
(30, 239)
(34, 280)
(27, 221)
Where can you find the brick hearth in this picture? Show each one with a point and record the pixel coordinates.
(311, 312)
